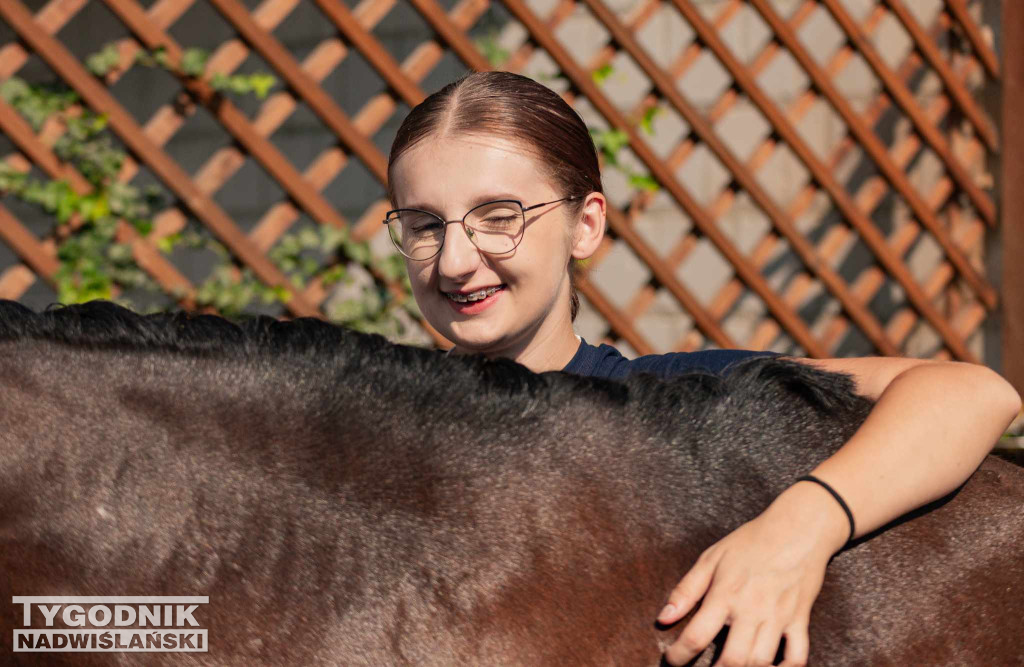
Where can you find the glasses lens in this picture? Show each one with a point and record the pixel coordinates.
(497, 227)
(416, 234)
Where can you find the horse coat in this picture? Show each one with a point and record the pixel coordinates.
(342, 500)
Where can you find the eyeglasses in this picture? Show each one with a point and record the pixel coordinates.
(495, 227)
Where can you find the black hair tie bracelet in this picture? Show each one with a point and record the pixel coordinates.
(839, 499)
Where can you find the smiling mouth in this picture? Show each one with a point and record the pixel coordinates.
(479, 295)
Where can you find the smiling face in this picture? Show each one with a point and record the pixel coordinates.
(525, 315)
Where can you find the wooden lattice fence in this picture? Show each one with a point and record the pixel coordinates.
(810, 176)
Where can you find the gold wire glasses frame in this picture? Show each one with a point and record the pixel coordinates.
(495, 227)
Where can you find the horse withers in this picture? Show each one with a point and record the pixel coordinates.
(341, 500)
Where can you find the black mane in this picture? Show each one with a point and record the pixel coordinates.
(106, 325)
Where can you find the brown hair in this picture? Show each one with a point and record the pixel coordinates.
(520, 109)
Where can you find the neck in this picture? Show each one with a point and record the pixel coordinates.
(544, 351)
(552, 354)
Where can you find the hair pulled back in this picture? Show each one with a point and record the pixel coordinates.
(519, 109)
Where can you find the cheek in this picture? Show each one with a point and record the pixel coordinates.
(419, 275)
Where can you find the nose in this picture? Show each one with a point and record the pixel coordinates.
(459, 256)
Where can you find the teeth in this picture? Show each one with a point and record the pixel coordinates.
(473, 296)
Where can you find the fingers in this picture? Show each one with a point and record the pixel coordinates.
(697, 634)
(765, 646)
(797, 644)
(737, 649)
(747, 644)
(690, 590)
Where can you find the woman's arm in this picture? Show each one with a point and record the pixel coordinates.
(932, 425)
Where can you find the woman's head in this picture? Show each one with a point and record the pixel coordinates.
(503, 136)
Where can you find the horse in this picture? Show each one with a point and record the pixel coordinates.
(342, 500)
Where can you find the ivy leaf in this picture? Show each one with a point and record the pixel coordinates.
(358, 252)
(609, 143)
(601, 74)
(11, 180)
(647, 121)
(66, 207)
(283, 294)
(644, 182)
(12, 89)
(332, 237)
(161, 58)
(193, 61)
(95, 206)
(309, 239)
(103, 61)
(120, 253)
(260, 84)
(347, 311)
(218, 81)
(166, 244)
(332, 275)
(391, 267)
(491, 49)
(308, 266)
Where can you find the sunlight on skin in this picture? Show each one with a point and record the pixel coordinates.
(528, 319)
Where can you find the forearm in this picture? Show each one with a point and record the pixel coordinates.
(929, 430)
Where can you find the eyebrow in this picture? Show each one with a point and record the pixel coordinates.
(482, 199)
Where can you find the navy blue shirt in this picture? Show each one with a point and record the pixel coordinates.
(607, 362)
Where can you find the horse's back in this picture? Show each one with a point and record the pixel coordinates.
(938, 587)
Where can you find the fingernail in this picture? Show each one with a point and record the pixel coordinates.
(667, 611)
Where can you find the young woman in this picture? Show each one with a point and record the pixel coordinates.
(497, 192)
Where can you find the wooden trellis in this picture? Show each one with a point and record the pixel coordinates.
(952, 211)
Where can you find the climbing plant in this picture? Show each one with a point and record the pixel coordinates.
(94, 265)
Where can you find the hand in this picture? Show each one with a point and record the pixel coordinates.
(761, 580)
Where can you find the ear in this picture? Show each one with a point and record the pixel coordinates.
(590, 226)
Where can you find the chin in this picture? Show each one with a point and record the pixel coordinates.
(474, 338)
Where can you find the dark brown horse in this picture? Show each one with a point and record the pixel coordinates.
(345, 501)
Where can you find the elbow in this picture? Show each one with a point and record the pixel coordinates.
(1015, 405)
(1002, 395)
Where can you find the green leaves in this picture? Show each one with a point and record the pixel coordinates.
(644, 182)
(491, 49)
(193, 62)
(93, 265)
(154, 58)
(242, 84)
(36, 103)
(609, 143)
(356, 251)
(647, 120)
(103, 61)
(600, 74)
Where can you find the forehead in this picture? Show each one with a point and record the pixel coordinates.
(450, 171)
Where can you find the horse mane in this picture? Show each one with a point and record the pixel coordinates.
(106, 325)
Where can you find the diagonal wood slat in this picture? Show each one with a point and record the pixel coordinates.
(146, 256)
(981, 48)
(582, 81)
(877, 150)
(746, 179)
(850, 211)
(170, 173)
(26, 245)
(906, 101)
(935, 60)
(320, 103)
(928, 176)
